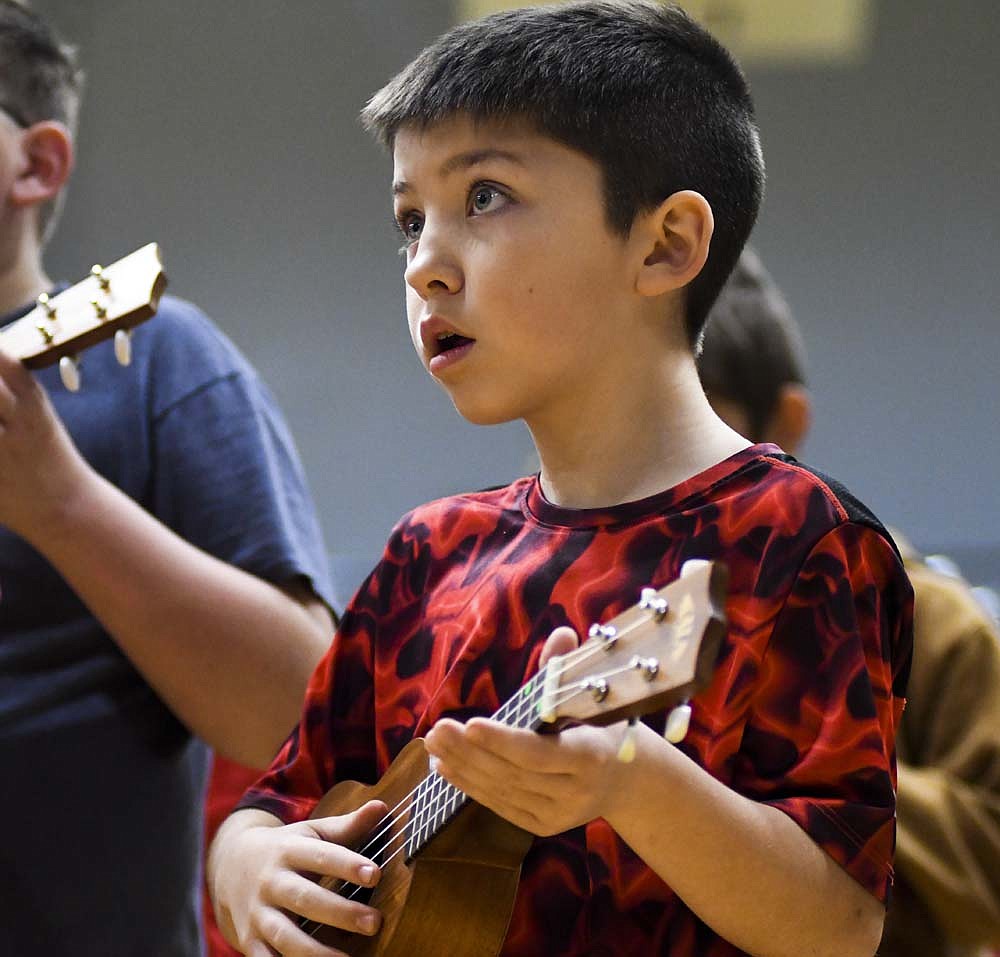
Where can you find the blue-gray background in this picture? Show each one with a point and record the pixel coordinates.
(227, 132)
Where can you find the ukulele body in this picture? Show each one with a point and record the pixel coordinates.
(455, 898)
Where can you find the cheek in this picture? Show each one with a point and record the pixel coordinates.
(413, 310)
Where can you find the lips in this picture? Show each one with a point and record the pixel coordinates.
(449, 341)
(444, 345)
(439, 337)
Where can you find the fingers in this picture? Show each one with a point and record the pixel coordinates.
(562, 641)
(541, 783)
(489, 745)
(350, 830)
(472, 759)
(14, 374)
(8, 399)
(275, 934)
(18, 388)
(290, 894)
(284, 897)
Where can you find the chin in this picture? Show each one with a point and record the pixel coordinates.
(483, 413)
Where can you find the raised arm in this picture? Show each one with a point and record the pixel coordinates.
(228, 652)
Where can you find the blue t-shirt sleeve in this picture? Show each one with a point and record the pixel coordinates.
(225, 473)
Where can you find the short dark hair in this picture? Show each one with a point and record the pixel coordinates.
(639, 87)
(752, 346)
(39, 76)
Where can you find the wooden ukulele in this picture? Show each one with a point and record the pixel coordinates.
(108, 303)
(450, 867)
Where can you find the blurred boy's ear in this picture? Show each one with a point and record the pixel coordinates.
(46, 162)
(673, 239)
(792, 418)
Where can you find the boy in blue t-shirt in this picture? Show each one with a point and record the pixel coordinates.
(162, 577)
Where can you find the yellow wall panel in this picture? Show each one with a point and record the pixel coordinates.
(763, 31)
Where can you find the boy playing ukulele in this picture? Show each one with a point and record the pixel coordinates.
(573, 185)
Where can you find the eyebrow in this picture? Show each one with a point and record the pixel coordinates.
(462, 161)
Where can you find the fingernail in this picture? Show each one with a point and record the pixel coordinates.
(367, 923)
(367, 872)
(434, 763)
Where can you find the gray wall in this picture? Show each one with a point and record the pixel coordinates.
(227, 132)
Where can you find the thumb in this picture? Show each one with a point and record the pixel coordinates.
(350, 829)
(562, 640)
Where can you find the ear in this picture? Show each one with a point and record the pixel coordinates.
(46, 162)
(674, 240)
(792, 418)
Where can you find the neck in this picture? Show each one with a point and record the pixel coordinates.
(22, 275)
(648, 430)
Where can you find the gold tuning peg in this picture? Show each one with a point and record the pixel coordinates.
(43, 302)
(97, 271)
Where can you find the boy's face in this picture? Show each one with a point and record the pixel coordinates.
(10, 134)
(518, 293)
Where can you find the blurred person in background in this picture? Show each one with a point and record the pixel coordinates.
(946, 895)
(162, 575)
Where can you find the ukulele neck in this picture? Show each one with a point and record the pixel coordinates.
(436, 802)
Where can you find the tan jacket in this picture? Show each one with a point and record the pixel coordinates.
(946, 898)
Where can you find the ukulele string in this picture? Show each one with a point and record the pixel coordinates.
(439, 785)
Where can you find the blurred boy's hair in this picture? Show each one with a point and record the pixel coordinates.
(39, 79)
(751, 346)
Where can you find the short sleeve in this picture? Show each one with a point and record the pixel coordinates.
(225, 472)
(335, 737)
(819, 741)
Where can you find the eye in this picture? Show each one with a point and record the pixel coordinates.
(485, 197)
(410, 226)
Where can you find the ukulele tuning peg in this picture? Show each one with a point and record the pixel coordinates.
(123, 347)
(45, 304)
(626, 750)
(692, 566)
(69, 372)
(678, 722)
(97, 271)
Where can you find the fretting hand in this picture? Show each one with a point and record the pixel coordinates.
(40, 468)
(545, 784)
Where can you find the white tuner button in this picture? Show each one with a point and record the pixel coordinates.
(123, 347)
(69, 372)
(678, 722)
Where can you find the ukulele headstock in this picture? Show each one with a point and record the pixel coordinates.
(653, 655)
(111, 299)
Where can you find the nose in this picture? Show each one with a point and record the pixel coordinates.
(433, 267)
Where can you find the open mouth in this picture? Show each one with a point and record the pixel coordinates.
(449, 341)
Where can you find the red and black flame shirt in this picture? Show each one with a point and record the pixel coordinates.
(801, 714)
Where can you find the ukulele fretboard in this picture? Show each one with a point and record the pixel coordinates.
(435, 801)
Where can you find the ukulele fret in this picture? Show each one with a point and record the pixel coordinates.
(435, 802)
